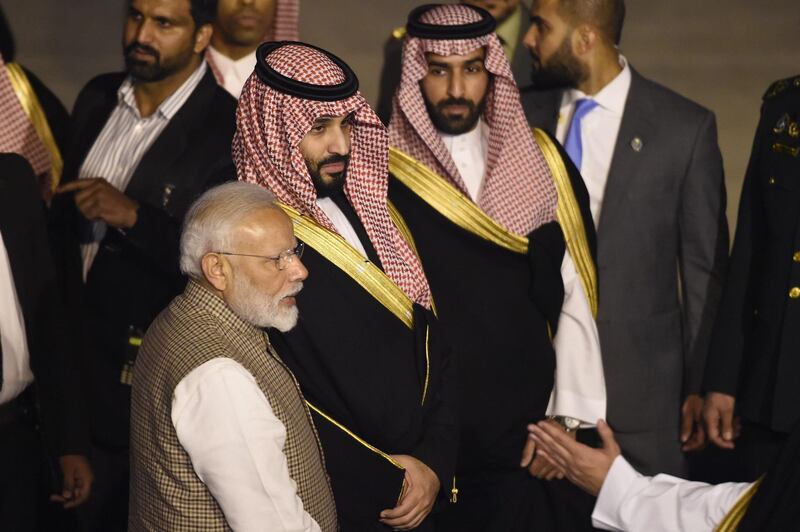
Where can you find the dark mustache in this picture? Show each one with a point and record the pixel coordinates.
(139, 47)
(334, 159)
(456, 101)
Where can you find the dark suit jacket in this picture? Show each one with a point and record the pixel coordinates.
(754, 354)
(135, 273)
(48, 328)
(662, 246)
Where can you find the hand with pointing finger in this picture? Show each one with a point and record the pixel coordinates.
(97, 199)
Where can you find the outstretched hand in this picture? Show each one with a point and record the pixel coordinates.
(584, 466)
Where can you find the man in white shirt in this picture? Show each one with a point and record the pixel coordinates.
(144, 144)
(239, 27)
(457, 126)
(653, 169)
(220, 433)
(628, 500)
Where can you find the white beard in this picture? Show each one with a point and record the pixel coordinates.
(262, 310)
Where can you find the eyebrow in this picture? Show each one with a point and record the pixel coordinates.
(450, 65)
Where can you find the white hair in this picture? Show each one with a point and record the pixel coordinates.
(213, 217)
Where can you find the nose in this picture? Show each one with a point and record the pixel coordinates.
(144, 33)
(339, 141)
(531, 37)
(455, 86)
(297, 271)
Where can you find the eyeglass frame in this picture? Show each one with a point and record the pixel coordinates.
(288, 255)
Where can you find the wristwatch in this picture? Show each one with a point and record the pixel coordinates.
(569, 424)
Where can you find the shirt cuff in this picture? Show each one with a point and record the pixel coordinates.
(568, 403)
(621, 476)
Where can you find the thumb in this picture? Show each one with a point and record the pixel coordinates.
(69, 482)
(607, 436)
(527, 452)
(687, 422)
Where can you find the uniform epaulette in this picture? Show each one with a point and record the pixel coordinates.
(782, 85)
(398, 33)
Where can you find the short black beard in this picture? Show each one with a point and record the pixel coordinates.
(326, 187)
(563, 70)
(455, 126)
(155, 71)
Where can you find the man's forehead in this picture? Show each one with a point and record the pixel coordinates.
(478, 54)
(165, 8)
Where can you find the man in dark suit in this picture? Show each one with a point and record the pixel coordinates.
(652, 166)
(754, 368)
(144, 144)
(37, 371)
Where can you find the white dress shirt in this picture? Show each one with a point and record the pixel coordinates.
(235, 442)
(234, 71)
(341, 223)
(123, 141)
(580, 389)
(599, 131)
(17, 374)
(633, 502)
(469, 151)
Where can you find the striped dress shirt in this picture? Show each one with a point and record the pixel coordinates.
(122, 143)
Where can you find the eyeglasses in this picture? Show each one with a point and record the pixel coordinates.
(282, 261)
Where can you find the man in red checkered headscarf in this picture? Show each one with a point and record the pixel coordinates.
(366, 351)
(239, 27)
(497, 214)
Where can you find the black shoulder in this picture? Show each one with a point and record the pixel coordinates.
(17, 173)
(99, 86)
(15, 164)
(781, 87)
(222, 112)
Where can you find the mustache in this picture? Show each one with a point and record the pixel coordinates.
(139, 47)
(456, 101)
(334, 159)
(293, 291)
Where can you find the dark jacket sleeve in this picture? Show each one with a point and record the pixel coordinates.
(51, 331)
(439, 446)
(703, 249)
(735, 317)
(156, 233)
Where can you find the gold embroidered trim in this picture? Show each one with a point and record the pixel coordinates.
(33, 109)
(569, 217)
(364, 443)
(451, 203)
(731, 521)
(344, 256)
(448, 201)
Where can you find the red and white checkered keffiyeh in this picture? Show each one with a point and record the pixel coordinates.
(284, 28)
(17, 134)
(518, 189)
(269, 127)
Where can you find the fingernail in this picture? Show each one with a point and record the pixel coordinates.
(727, 436)
(684, 438)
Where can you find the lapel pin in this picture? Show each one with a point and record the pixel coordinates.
(166, 194)
(780, 126)
(637, 144)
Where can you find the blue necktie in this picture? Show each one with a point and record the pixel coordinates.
(573, 144)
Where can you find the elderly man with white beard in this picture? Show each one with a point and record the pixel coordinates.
(220, 433)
